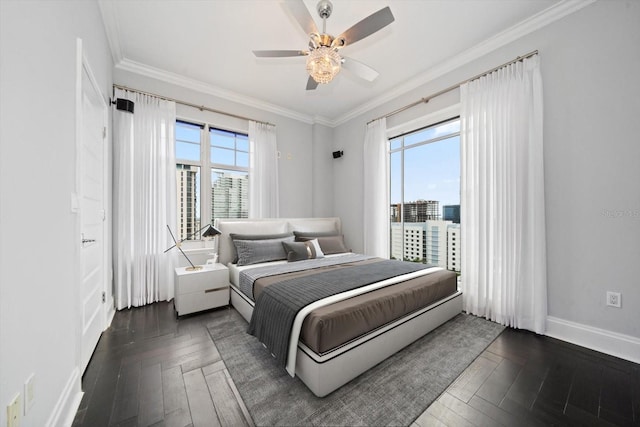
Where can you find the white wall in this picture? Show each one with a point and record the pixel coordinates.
(322, 167)
(590, 67)
(39, 308)
(294, 138)
(592, 101)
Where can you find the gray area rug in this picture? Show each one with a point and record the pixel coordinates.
(394, 392)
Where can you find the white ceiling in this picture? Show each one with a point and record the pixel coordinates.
(208, 45)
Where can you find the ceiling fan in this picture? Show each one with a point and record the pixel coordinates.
(323, 56)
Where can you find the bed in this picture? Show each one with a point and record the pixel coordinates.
(333, 340)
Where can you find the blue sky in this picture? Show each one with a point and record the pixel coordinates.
(432, 172)
(184, 150)
(227, 148)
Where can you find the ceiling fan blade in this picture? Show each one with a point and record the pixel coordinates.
(369, 25)
(300, 12)
(359, 69)
(279, 53)
(311, 84)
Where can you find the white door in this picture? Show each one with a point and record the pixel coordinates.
(91, 197)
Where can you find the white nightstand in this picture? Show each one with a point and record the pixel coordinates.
(201, 289)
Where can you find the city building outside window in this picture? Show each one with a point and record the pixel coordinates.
(212, 176)
(425, 195)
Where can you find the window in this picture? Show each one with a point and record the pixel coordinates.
(212, 176)
(229, 155)
(425, 191)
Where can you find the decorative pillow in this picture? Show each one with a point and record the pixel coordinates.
(316, 247)
(298, 251)
(255, 251)
(236, 236)
(330, 242)
(312, 234)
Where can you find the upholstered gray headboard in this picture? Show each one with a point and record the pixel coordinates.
(268, 226)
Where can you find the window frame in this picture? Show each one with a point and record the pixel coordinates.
(207, 166)
(442, 119)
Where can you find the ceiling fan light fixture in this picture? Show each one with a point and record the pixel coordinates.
(323, 63)
(323, 60)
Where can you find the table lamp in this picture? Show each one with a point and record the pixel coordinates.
(210, 232)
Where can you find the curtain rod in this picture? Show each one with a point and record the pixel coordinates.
(450, 88)
(188, 104)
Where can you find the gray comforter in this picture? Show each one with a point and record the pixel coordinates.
(248, 277)
(277, 306)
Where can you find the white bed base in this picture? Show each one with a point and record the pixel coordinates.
(325, 373)
(329, 371)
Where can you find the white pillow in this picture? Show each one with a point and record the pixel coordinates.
(316, 246)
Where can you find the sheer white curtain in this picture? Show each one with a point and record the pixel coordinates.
(263, 171)
(502, 204)
(144, 200)
(376, 190)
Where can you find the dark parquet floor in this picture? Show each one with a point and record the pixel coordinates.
(151, 368)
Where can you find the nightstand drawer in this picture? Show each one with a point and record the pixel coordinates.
(201, 289)
(191, 302)
(202, 280)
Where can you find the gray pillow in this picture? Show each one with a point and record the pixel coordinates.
(255, 251)
(298, 251)
(330, 242)
(313, 234)
(236, 236)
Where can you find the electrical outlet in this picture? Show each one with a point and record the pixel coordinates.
(29, 393)
(14, 409)
(614, 299)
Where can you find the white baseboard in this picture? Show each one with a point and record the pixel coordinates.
(110, 314)
(618, 345)
(68, 403)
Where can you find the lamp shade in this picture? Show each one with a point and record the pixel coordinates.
(211, 231)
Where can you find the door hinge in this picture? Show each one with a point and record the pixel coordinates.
(104, 132)
(104, 297)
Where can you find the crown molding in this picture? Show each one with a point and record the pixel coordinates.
(199, 86)
(324, 121)
(529, 25)
(107, 10)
